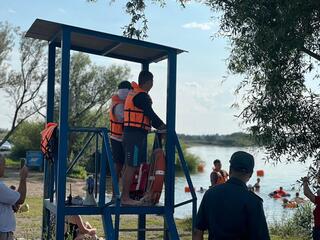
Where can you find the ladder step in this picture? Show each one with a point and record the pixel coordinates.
(141, 229)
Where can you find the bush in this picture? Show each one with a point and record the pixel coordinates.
(26, 137)
(191, 159)
(78, 172)
(299, 225)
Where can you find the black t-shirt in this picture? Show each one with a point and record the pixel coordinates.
(230, 212)
(143, 101)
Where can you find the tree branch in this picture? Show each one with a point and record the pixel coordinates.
(310, 53)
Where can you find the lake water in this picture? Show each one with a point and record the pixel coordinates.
(282, 174)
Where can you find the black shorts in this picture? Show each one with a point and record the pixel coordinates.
(117, 151)
(135, 147)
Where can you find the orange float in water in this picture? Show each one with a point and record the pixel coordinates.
(200, 168)
(260, 173)
(186, 189)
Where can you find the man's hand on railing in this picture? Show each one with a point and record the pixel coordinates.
(163, 131)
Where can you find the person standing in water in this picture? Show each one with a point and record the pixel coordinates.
(218, 176)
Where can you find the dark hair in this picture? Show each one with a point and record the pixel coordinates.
(144, 76)
(216, 161)
(240, 171)
(124, 85)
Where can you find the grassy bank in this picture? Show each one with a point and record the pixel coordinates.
(299, 225)
(29, 225)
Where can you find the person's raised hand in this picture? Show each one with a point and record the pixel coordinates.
(24, 173)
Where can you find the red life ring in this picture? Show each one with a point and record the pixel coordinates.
(156, 177)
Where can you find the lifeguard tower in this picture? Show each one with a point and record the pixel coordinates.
(73, 38)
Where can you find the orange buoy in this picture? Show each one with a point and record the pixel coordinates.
(260, 173)
(187, 189)
(200, 168)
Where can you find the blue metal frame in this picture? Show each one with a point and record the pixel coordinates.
(55, 174)
(63, 133)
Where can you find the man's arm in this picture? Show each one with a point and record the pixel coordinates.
(257, 224)
(23, 185)
(143, 101)
(213, 178)
(306, 190)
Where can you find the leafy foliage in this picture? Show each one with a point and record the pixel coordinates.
(275, 45)
(6, 44)
(299, 225)
(191, 159)
(23, 86)
(26, 137)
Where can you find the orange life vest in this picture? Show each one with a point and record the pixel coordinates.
(116, 126)
(133, 116)
(222, 176)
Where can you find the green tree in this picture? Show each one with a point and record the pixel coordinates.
(275, 44)
(22, 86)
(26, 137)
(6, 43)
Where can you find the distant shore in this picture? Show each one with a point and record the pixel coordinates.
(238, 139)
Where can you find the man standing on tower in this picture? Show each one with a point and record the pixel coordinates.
(139, 117)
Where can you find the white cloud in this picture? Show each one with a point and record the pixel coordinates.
(202, 26)
(10, 10)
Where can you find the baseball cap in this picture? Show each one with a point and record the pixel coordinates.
(242, 161)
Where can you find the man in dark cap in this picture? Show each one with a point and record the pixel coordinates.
(229, 211)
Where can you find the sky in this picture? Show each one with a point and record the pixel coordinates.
(205, 89)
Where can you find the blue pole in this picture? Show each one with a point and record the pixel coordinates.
(170, 146)
(48, 168)
(63, 133)
(187, 175)
(171, 124)
(142, 217)
(51, 82)
(145, 66)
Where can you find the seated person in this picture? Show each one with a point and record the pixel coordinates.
(78, 229)
(257, 185)
(282, 193)
(275, 195)
(298, 199)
